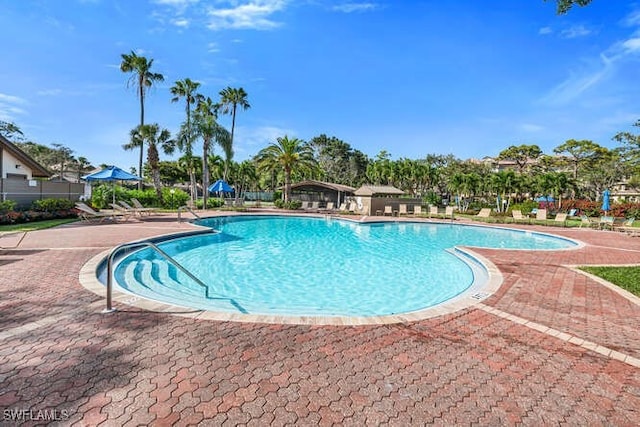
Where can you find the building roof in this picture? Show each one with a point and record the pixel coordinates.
(314, 185)
(37, 170)
(372, 190)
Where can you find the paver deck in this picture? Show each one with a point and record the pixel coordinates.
(550, 346)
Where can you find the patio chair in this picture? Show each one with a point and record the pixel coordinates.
(388, 210)
(484, 213)
(606, 222)
(88, 214)
(433, 211)
(449, 212)
(519, 217)
(352, 207)
(138, 211)
(314, 206)
(402, 209)
(625, 223)
(343, 207)
(541, 215)
(590, 223)
(560, 218)
(330, 207)
(125, 213)
(417, 210)
(138, 205)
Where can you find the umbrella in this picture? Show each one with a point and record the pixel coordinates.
(220, 186)
(111, 174)
(545, 199)
(605, 201)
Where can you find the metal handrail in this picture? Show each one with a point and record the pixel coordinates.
(187, 208)
(166, 256)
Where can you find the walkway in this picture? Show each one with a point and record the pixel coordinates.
(551, 346)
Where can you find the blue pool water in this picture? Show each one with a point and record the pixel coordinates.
(317, 266)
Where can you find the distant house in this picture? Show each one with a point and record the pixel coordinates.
(18, 183)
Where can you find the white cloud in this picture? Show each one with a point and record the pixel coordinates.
(575, 31)
(10, 107)
(253, 14)
(545, 30)
(49, 92)
(181, 22)
(213, 47)
(354, 7)
(631, 45)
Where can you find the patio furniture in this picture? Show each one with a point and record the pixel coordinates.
(433, 210)
(560, 218)
(88, 214)
(388, 210)
(138, 211)
(449, 212)
(417, 210)
(606, 222)
(541, 215)
(519, 217)
(402, 209)
(138, 205)
(484, 213)
(589, 222)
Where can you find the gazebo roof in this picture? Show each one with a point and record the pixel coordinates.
(373, 190)
(311, 185)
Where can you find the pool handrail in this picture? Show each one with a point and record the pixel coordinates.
(186, 208)
(131, 245)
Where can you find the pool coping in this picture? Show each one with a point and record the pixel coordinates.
(470, 297)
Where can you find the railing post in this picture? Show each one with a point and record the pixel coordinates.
(109, 308)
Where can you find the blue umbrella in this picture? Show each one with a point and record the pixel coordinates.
(545, 199)
(111, 174)
(220, 186)
(605, 201)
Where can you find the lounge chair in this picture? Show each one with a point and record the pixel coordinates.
(417, 210)
(388, 210)
(606, 222)
(484, 213)
(126, 213)
(138, 205)
(591, 223)
(138, 211)
(330, 207)
(449, 212)
(352, 207)
(541, 215)
(519, 217)
(88, 214)
(625, 223)
(560, 218)
(433, 211)
(402, 209)
(343, 207)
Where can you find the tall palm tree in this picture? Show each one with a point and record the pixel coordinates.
(208, 128)
(82, 166)
(230, 100)
(288, 155)
(186, 89)
(143, 78)
(154, 137)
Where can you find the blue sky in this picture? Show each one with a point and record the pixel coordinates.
(469, 77)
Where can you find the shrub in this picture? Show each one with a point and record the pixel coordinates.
(146, 197)
(52, 205)
(173, 200)
(7, 206)
(102, 195)
(291, 204)
(526, 207)
(212, 203)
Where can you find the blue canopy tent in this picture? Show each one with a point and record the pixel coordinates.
(220, 187)
(545, 202)
(111, 174)
(606, 203)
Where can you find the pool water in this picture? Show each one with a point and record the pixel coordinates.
(317, 266)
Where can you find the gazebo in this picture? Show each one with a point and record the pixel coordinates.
(319, 191)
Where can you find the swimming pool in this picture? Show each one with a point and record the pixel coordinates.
(312, 266)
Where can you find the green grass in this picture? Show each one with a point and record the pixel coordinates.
(38, 225)
(627, 278)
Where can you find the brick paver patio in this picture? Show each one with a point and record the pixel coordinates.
(552, 346)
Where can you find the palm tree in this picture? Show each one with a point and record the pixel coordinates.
(230, 100)
(208, 128)
(143, 78)
(82, 165)
(288, 155)
(187, 89)
(155, 138)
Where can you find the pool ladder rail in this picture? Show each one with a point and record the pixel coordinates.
(169, 258)
(186, 208)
